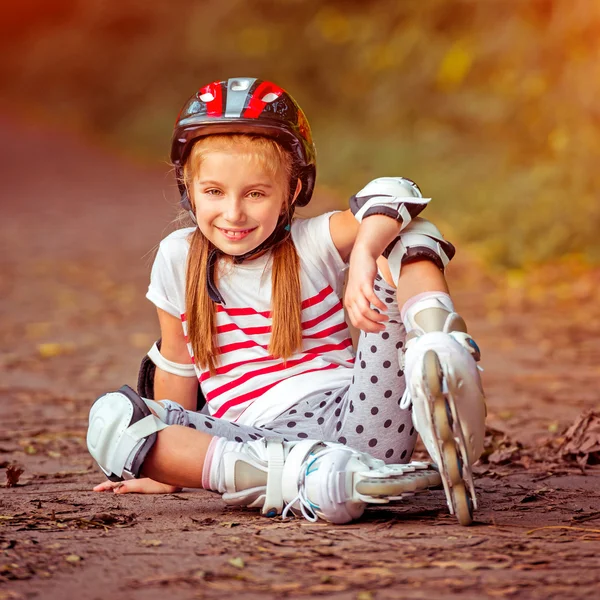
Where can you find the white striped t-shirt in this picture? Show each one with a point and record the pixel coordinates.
(251, 386)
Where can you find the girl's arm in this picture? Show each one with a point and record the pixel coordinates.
(167, 386)
(343, 228)
(375, 233)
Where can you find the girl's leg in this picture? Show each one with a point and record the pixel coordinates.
(177, 456)
(128, 441)
(369, 417)
(365, 415)
(172, 413)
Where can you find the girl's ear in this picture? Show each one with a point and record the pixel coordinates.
(298, 188)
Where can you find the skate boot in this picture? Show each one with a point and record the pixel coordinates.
(314, 479)
(444, 386)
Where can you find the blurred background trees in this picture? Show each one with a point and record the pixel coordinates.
(490, 105)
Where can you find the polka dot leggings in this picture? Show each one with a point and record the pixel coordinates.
(365, 415)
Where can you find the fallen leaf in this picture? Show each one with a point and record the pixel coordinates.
(73, 558)
(13, 473)
(237, 562)
(465, 565)
(206, 521)
(326, 588)
(282, 588)
(52, 349)
(502, 592)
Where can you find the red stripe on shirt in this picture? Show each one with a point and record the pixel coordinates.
(243, 312)
(222, 370)
(312, 322)
(314, 353)
(260, 391)
(246, 311)
(326, 332)
(267, 328)
(317, 298)
(240, 346)
(247, 330)
(283, 366)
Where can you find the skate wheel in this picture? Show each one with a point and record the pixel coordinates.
(410, 483)
(452, 462)
(441, 411)
(463, 506)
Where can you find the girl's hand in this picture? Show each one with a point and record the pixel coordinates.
(136, 486)
(359, 294)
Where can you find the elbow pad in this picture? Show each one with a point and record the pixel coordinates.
(395, 197)
(183, 370)
(421, 240)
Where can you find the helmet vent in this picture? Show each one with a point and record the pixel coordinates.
(239, 85)
(208, 97)
(270, 97)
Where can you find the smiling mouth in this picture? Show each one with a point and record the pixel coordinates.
(235, 234)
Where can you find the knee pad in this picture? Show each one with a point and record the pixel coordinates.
(419, 240)
(121, 432)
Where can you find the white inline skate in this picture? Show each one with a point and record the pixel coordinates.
(444, 386)
(316, 479)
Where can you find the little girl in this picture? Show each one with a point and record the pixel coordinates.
(249, 305)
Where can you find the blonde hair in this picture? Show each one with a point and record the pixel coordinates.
(286, 330)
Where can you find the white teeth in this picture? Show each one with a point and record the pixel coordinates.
(236, 233)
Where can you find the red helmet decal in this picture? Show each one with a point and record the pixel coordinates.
(212, 96)
(303, 127)
(257, 100)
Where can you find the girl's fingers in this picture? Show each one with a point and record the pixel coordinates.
(106, 486)
(131, 486)
(363, 303)
(372, 322)
(373, 299)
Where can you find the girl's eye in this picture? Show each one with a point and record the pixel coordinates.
(256, 194)
(213, 192)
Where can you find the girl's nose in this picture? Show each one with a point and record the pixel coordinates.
(234, 212)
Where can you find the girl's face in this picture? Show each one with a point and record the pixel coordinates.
(237, 200)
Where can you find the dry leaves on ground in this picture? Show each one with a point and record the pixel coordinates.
(581, 441)
(13, 473)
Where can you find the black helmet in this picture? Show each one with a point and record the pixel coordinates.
(246, 105)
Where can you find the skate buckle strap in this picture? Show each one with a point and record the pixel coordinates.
(131, 440)
(145, 427)
(307, 508)
(274, 494)
(337, 491)
(406, 400)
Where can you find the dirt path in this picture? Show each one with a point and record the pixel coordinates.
(77, 228)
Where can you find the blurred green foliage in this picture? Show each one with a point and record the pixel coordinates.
(490, 105)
